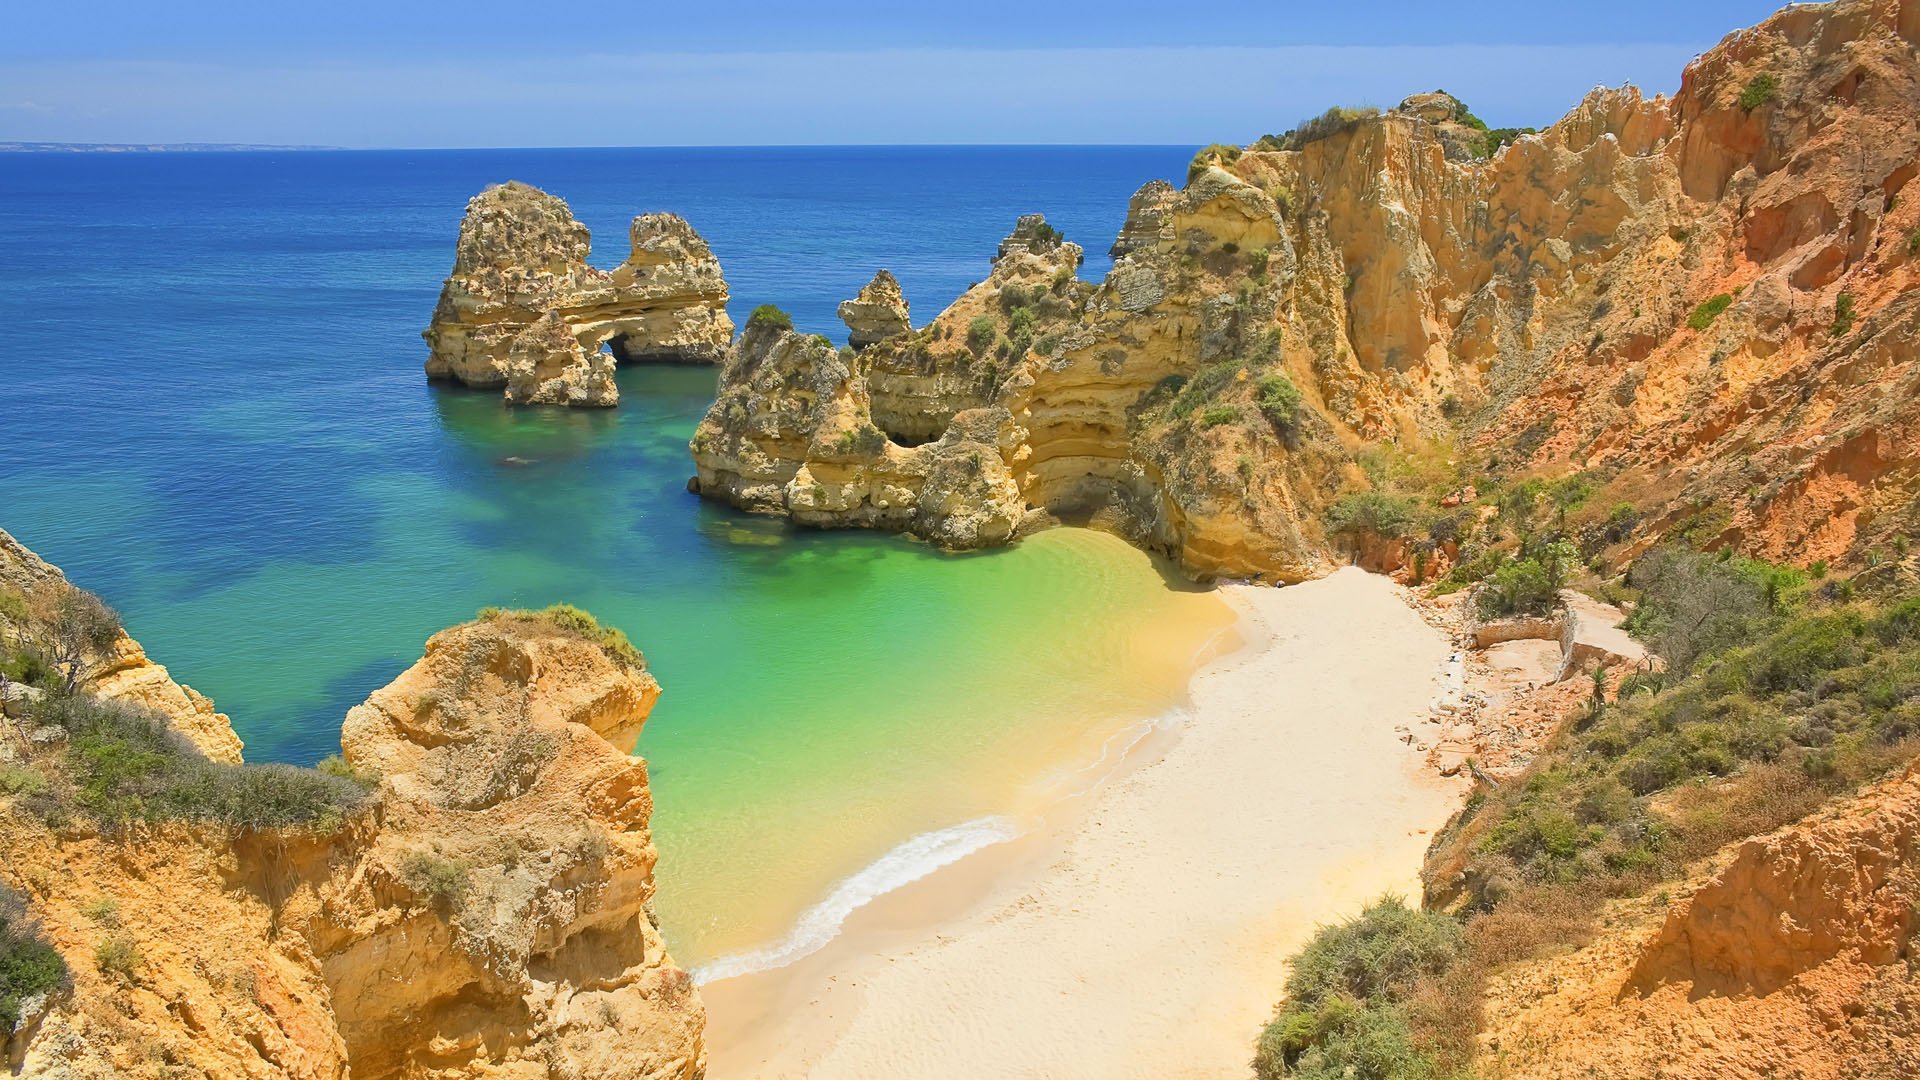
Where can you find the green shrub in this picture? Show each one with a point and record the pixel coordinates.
(1257, 261)
(127, 764)
(29, 965)
(1527, 586)
(573, 620)
(1206, 384)
(981, 333)
(117, 956)
(770, 315)
(1370, 513)
(1279, 401)
(1218, 415)
(1020, 331)
(443, 882)
(1692, 604)
(1760, 90)
(1217, 154)
(1047, 344)
(1341, 1017)
(1327, 124)
(1492, 141)
(1704, 315)
(865, 439)
(1913, 240)
(1843, 314)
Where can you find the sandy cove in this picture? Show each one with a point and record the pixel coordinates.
(1145, 933)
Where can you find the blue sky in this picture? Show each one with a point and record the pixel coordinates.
(491, 73)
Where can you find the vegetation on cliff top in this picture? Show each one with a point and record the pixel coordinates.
(116, 763)
(1330, 123)
(1779, 695)
(770, 315)
(571, 620)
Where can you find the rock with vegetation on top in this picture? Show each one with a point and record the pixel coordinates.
(466, 893)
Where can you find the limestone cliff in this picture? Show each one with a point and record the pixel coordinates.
(793, 432)
(484, 911)
(1708, 301)
(524, 310)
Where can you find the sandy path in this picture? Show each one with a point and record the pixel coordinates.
(1150, 939)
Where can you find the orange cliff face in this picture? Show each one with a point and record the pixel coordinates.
(484, 913)
(1537, 302)
(1788, 956)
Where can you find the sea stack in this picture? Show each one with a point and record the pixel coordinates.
(523, 311)
(876, 313)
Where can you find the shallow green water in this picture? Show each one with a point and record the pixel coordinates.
(827, 696)
(252, 469)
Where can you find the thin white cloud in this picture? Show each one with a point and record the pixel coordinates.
(1103, 95)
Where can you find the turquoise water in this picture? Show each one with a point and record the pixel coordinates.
(215, 417)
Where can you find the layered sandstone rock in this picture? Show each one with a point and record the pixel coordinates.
(523, 309)
(484, 914)
(1538, 302)
(876, 313)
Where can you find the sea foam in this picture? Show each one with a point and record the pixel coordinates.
(908, 863)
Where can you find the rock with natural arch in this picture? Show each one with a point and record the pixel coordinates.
(524, 311)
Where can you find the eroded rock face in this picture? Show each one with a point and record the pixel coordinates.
(502, 754)
(486, 914)
(876, 313)
(1841, 889)
(792, 433)
(1537, 302)
(1790, 956)
(524, 311)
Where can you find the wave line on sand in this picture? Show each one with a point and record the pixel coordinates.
(912, 860)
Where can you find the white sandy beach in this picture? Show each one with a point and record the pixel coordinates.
(1146, 936)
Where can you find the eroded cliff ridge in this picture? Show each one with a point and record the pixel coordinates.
(524, 310)
(1706, 301)
(1789, 955)
(465, 893)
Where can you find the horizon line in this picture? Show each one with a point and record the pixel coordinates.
(56, 146)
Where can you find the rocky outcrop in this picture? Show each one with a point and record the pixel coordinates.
(523, 310)
(498, 921)
(1842, 889)
(876, 313)
(1702, 301)
(485, 913)
(115, 667)
(793, 433)
(1788, 956)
